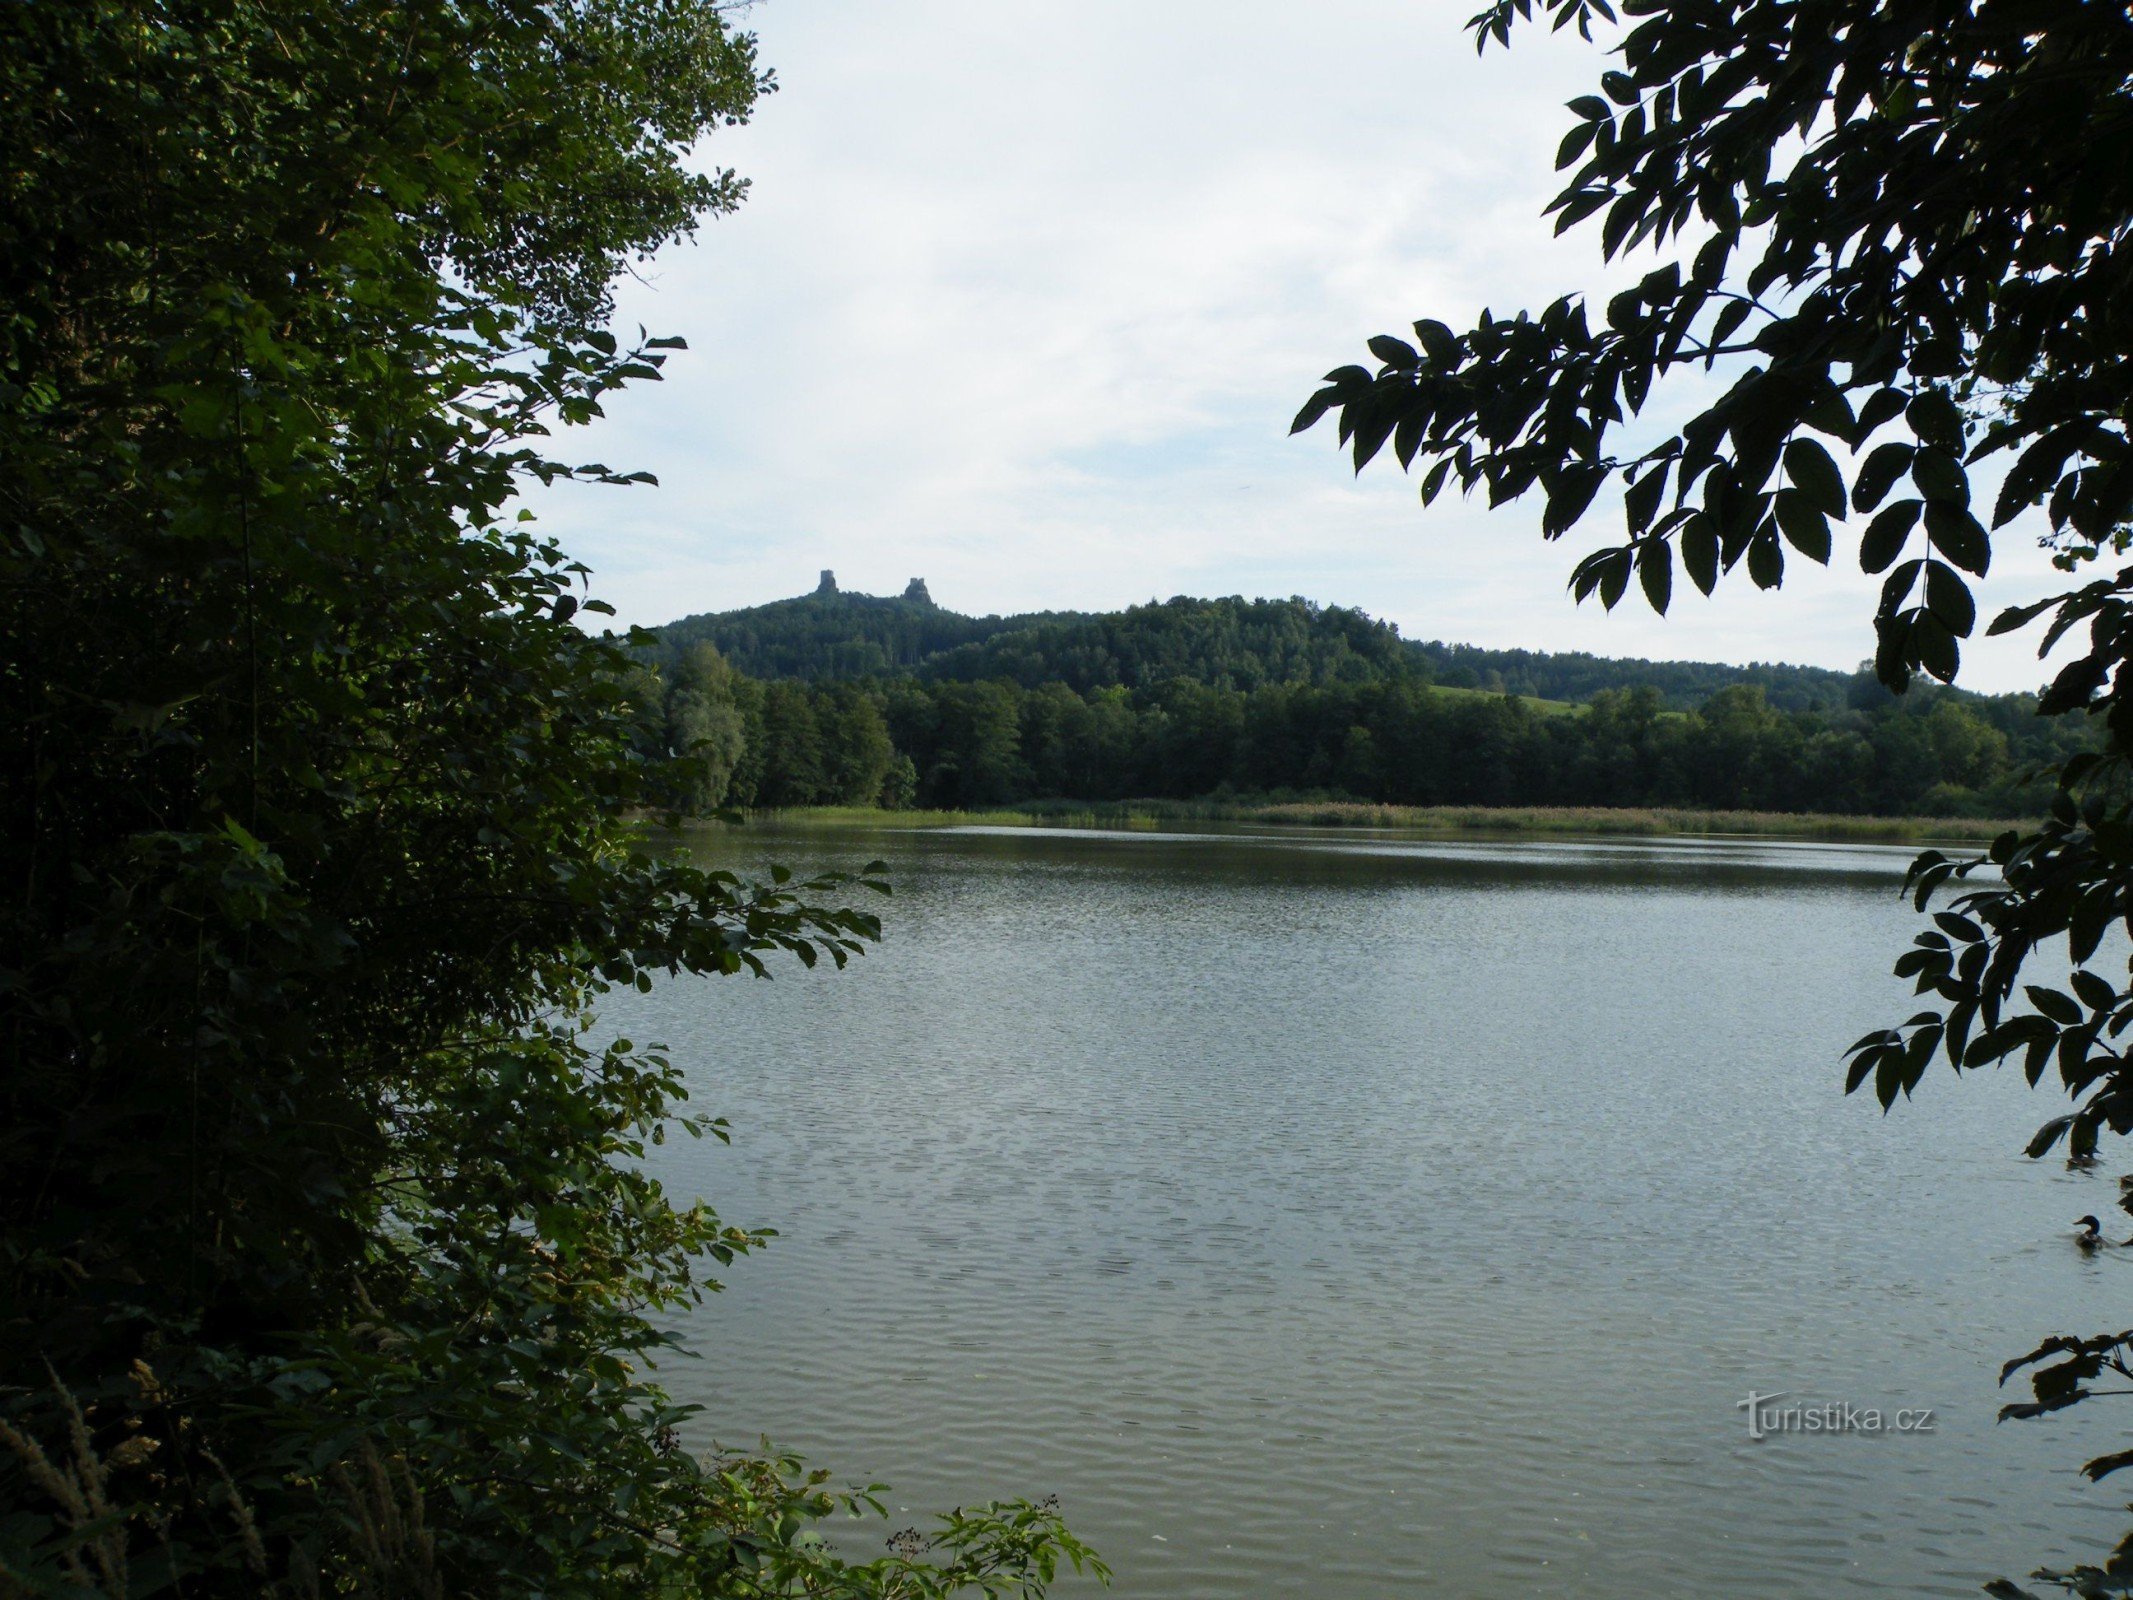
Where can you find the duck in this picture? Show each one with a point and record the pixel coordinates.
(2090, 1237)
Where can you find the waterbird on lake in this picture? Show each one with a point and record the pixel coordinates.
(2090, 1238)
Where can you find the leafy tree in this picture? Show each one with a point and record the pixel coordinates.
(899, 788)
(791, 762)
(1899, 228)
(977, 758)
(1970, 751)
(1747, 750)
(1055, 736)
(327, 1256)
(1194, 751)
(706, 733)
(1357, 770)
(856, 753)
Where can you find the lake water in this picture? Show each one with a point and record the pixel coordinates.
(1343, 1215)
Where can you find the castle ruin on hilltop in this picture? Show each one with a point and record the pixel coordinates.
(915, 591)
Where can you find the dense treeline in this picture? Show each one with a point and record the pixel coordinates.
(954, 744)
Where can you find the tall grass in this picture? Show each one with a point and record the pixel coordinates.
(1633, 821)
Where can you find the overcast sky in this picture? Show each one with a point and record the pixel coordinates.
(1026, 293)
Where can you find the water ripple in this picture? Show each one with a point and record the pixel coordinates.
(1359, 1217)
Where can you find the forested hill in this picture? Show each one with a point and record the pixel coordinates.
(860, 700)
(833, 634)
(1225, 643)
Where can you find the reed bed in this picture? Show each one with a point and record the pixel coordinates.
(1630, 821)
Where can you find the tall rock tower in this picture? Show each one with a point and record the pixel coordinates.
(828, 585)
(915, 591)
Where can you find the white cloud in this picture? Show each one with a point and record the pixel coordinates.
(1026, 293)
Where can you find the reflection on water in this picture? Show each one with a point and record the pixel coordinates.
(1336, 1214)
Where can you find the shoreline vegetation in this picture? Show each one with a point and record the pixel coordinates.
(868, 700)
(1598, 821)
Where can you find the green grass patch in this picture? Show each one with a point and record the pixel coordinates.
(1551, 707)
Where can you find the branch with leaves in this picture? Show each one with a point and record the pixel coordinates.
(1901, 232)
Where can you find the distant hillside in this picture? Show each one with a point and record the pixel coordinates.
(834, 634)
(1576, 676)
(1236, 643)
(1226, 644)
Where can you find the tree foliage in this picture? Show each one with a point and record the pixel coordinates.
(699, 729)
(1900, 228)
(328, 1262)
